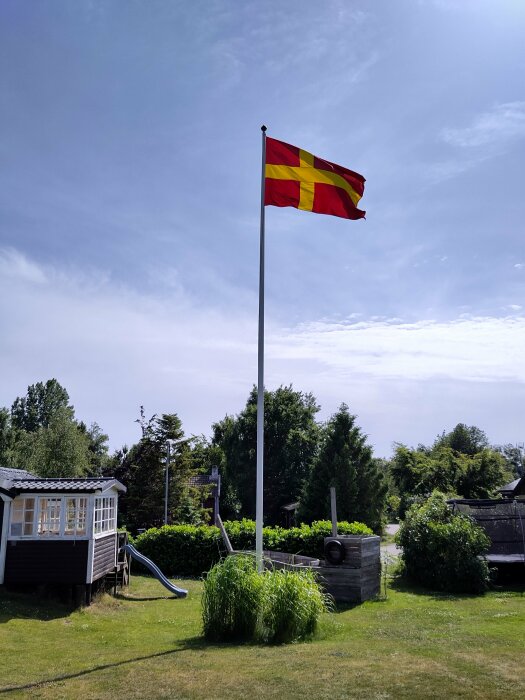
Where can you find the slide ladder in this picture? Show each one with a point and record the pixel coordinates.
(179, 592)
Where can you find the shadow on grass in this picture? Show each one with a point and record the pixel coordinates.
(191, 643)
(137, 599)
(404, 585)
(32, 606)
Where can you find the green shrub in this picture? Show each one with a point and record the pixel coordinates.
(444, 550)
(231, 600)
(291, 605)
(190, 550)
(239, 604)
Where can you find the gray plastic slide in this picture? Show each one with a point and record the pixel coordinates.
(179, 592)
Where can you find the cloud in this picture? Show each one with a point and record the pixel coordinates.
(15, 266)
(114, 349)
(485, 349)
(502, 124)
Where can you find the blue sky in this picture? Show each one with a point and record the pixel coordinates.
(129, 209)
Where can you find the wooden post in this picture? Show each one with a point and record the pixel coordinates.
(224, 534)
(333, 508)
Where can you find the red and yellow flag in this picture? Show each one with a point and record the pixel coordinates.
(296, 178)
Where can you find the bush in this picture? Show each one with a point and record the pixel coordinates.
(239, 604)
(231, 600)
(189, 550)
(444, 550)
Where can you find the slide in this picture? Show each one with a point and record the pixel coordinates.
(179, 592)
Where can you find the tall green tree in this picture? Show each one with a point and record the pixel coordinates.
(459, 463)
(6, 437)
(345, 461)
(467, 440)
(41, 434)
(514, 456)
(97, 446)
(42, 401)
(57, 450)
(142, 469)
(290, 445)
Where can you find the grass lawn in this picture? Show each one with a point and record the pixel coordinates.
(148, 645)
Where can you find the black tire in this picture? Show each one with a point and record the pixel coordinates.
(334, 552)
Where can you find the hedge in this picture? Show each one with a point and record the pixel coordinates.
(190, 550)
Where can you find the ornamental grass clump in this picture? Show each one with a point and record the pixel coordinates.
(292, 603)
(231, 600)
(276, 606)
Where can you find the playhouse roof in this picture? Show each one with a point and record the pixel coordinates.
(15, 481)
(8, 473)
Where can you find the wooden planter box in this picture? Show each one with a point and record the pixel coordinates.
(284, 560)
(358, 577)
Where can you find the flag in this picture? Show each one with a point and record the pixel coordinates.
(296, 178)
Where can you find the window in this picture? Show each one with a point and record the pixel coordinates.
(22, 517)
(105, 514)
(49, 516)
(62, 516)
(76, 516)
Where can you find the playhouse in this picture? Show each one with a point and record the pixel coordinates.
(58, 531)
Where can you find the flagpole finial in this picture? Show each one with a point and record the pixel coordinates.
(263, 128)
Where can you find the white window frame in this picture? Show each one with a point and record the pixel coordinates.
(53, 509)
(104, 515)
(62, 534)
(14, 506)
(81, 512)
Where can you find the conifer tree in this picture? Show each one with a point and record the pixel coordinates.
(346, 462)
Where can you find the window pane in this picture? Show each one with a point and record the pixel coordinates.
(105, 508)
(17, 512)
(49, 516)
(76, 512)
(22, 517)
(16, 529)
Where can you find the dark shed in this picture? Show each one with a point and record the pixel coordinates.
(57, 531)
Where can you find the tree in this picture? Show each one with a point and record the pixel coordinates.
(458, 464)
(290, 444)
(36, 409)
(42, 435)
(142, 469)
(345, 461)
(514, 456)
(57, 450)
(6, 437)
(484, 472)
(97, 446)
(468, 440)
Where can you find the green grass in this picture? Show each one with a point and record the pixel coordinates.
(148, 645)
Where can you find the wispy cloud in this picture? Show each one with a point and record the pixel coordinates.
(14, 265)
(115, 349)
(503, 123)
(464, 349)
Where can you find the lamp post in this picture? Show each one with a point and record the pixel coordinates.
(166, 480)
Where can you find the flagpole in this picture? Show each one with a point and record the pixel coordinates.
(260, 380)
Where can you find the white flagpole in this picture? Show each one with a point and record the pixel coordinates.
(260, 380)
